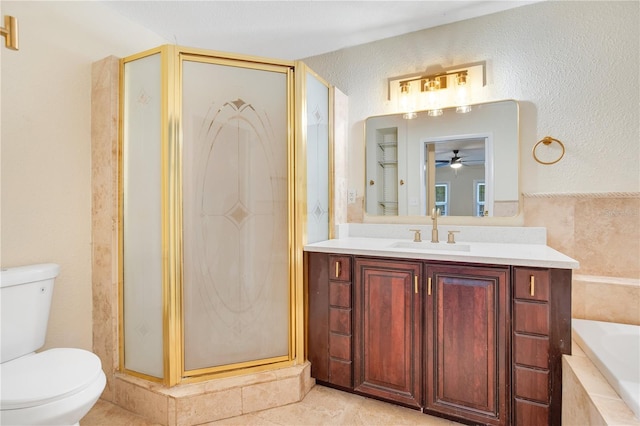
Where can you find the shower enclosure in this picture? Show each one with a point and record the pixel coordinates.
(224, 176)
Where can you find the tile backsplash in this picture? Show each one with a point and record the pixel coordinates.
(601, 231)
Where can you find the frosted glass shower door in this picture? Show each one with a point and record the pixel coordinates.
(236, 280)
(142, 217)
(317, 106)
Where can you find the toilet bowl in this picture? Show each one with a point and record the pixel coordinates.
(53, 387)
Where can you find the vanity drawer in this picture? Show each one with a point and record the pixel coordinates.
(340, 320)
(531, 317)
(340, 294)
(340, 268)
(532, 384)
(531, 284)
(532, 351)
(341, 372)
(340, 346)
(529, 413)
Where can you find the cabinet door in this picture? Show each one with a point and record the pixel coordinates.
(466, 335)
(387, 328)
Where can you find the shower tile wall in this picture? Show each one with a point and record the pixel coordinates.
(104, 181)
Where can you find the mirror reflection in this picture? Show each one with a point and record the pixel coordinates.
(463, 164)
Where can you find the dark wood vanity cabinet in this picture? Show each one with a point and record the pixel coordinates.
(471, 342)
(466, 334)
(387, 332)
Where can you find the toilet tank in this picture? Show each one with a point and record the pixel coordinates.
(25, 299)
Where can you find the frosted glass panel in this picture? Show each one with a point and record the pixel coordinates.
(236, 279)
(317, 103)
(142, 257)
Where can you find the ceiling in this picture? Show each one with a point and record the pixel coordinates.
(295, 29)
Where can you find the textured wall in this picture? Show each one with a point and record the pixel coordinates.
(572, 65)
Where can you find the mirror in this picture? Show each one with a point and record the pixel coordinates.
(409, 162)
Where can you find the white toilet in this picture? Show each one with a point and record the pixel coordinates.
(53, 387)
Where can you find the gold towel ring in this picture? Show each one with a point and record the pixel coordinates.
(547, 140)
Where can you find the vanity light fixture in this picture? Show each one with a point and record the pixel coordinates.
(437, 89)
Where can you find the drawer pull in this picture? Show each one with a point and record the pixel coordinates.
(415, 284)
(337, 269)
(532, 285)
(429, 286)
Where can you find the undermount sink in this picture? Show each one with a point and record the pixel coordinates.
(428, 245)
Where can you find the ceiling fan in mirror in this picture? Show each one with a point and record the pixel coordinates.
(456, 161)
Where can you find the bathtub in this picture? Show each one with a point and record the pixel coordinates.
(615, 350)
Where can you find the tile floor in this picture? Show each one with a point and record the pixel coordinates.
(321, 406)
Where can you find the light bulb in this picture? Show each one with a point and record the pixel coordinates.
(433, 99)
(462, 94)
(405, 100)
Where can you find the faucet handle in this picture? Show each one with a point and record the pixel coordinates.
(417, 238)
(451, 238)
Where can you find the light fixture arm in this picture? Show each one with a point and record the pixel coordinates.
(10, 32)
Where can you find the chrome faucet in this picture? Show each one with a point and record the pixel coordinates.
(434, 233)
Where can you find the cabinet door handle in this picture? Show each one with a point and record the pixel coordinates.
(429, 286)
(532, 285)
(337, 269)
(415, 284)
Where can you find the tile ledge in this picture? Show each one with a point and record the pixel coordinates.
(581, 194)
(599, 279)
(217, 384)
(594, 396)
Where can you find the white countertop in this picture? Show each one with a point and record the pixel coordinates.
(537, 255)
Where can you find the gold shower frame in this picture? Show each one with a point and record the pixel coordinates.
(171, 215)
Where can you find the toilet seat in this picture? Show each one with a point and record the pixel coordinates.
(47, 376)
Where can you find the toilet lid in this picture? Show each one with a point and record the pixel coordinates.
(46, 376)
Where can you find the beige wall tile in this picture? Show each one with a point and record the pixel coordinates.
(577, 408)
(268, 395)
(612, 303)
(614, 411)
(608, 236)
(208, 407)
(153, 406)
(601, 231)
(590, 378)
(555, 214)
(104, 189)
(588, 398)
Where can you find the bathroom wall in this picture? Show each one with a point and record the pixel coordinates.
(572, 65)
(46, 146)
(564, 62)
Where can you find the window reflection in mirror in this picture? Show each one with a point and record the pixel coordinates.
(460, 176)
(408, 162)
